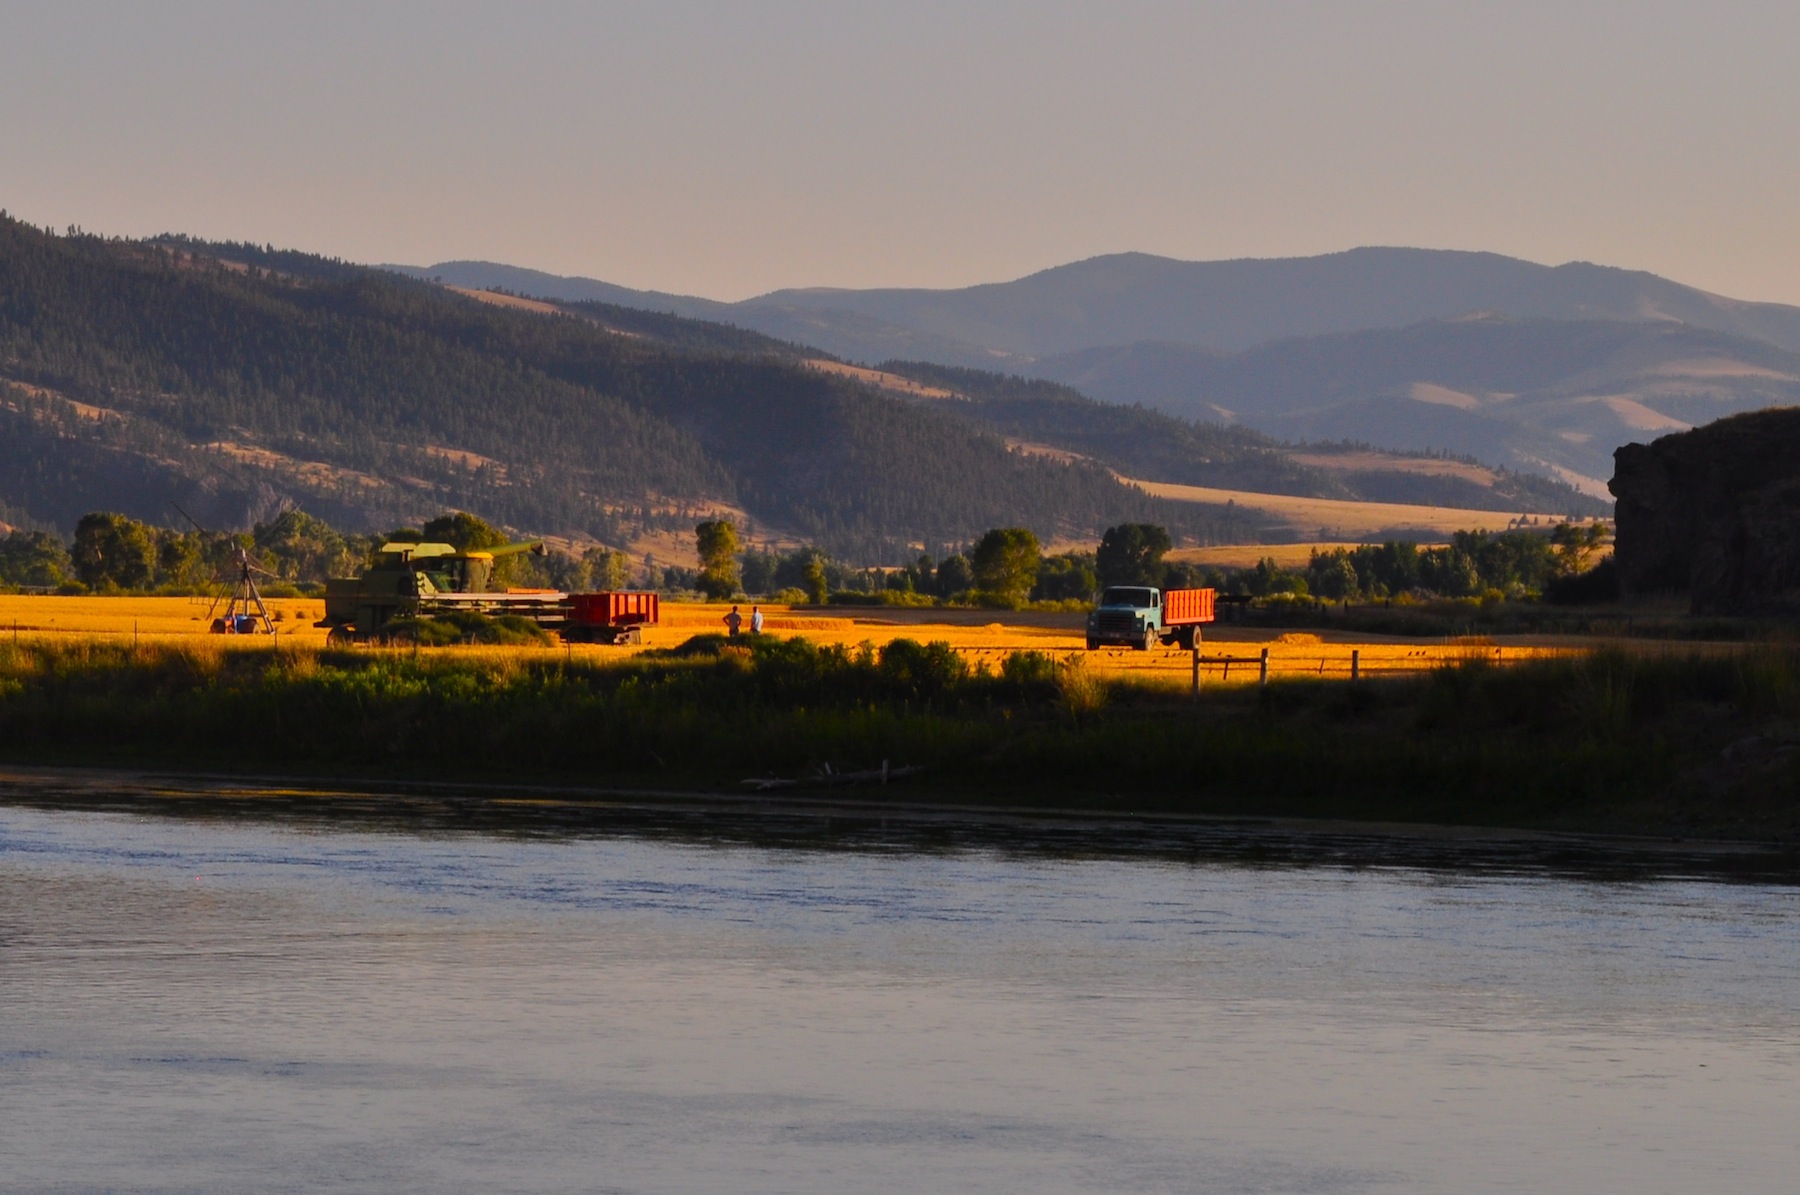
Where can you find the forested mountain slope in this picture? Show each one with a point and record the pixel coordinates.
(848, 334)
(1051, 419)
(235, 379)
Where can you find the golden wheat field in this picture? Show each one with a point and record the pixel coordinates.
(1230, 654)
(151, 618)
(1250, 555)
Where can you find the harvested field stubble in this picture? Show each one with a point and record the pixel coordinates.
(151, 618)
(1229, 655)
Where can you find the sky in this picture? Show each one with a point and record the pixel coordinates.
(728, 149)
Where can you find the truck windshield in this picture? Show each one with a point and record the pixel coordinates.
(1120, 595)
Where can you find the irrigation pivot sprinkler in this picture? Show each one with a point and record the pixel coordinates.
(245, 613)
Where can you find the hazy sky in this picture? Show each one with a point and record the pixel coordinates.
(730, 148)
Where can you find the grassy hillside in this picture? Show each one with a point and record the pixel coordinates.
(1136, 441)
(1534, 394)
(238, 379)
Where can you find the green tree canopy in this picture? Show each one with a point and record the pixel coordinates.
(1006, 562)
(1574, 545)
(1131, 554)
(464, 531)
(300, 547)
(718, 543)
(1068, 576)
(114, 552)
(34, 558)
(954, 576)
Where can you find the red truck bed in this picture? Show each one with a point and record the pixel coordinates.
(613, 609)
(612, 617)
(1185, 607)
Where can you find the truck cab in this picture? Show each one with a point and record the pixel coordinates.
(1141, 616)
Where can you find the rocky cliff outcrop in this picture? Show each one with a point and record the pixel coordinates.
(1714, 513)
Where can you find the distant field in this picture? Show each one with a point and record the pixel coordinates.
(1372, 460)
(985, 638)
(513, 301)
(1343, 520)
(1250, 555)
(882, 380)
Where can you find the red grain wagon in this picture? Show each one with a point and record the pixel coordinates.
(611, 617)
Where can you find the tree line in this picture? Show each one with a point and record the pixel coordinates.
(295, 553)
(1005, 567)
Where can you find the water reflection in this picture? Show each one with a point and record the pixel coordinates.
(863, 823)
(224, 1003)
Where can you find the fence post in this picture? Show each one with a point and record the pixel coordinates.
(1355, 663)
(1263, 678)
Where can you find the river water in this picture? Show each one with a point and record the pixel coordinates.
(231, 1005)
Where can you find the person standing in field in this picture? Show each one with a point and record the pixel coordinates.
(733, 621)
(756, 620)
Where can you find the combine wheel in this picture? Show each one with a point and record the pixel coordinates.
(339, 637)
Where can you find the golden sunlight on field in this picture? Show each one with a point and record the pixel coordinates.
(149, 618)
(985, 638)
(1250, 555)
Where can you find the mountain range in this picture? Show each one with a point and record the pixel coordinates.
(171, 377)
(1534, 367)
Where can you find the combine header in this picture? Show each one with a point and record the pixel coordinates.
(428, 580)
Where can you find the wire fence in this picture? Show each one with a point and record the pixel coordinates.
(1279, 662)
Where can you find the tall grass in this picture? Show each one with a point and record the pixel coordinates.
(1610, 739)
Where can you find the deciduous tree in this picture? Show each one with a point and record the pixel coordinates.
(718, 543)
(114, 552)
(1131, 554)
(1006, 562)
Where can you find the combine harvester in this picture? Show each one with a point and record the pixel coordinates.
(425, 581)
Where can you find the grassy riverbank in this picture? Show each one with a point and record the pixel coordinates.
(1694, 744)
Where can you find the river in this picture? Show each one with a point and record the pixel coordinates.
(232, 1004)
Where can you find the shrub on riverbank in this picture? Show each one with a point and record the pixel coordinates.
(1614, 739)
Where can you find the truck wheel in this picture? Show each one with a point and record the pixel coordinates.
(1148, 643)
(1092, 644)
